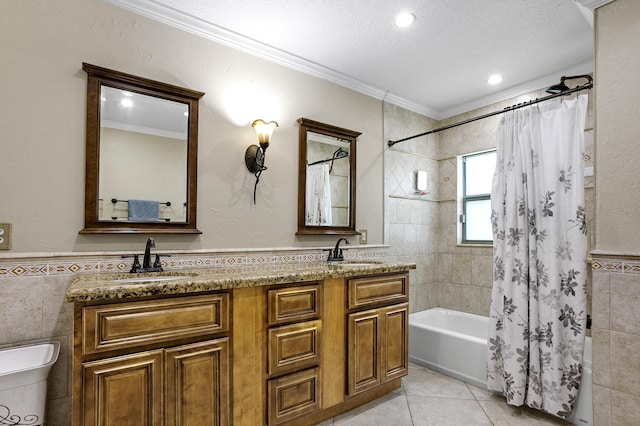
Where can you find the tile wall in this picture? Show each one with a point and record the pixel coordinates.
(457, 277)
(410, 219)
(616, 339)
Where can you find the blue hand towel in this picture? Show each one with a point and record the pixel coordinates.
(143, 210)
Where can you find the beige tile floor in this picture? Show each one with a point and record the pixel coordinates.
(430, 398)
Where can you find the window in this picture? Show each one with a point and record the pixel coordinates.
(475, 197)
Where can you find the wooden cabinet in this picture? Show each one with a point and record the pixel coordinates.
(294, 395)
(293, 346)
(198, 384)
(288, 355)
(133, 324)
(293, 304)
(123, 390)
(154, 362)
(377, 339)
(366, 292)
(294, 337)
(394, 359)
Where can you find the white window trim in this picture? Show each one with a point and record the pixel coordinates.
(459, 199)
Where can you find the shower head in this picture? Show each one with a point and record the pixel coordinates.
(561, 87)
(340, 153)
(557, 88)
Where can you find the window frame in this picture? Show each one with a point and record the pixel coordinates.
(463, 200)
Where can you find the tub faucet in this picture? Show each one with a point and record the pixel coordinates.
(336, 253)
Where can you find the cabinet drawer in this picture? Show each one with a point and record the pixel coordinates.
(131, 324)
(385, 289)
(294, 395)
(294, 346)
(293, 303)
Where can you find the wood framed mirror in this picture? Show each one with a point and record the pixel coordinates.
(326, 179)
(141, 155)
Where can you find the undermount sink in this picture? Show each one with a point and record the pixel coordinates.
(357, 264)
(139, 279)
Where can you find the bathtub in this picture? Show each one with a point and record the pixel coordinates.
(450, 342)
(455, 343)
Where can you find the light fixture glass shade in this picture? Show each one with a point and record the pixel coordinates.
(264, 130)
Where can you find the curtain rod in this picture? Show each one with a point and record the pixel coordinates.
(588, 85)
(326, 161)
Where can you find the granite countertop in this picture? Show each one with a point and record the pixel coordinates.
(114, 286)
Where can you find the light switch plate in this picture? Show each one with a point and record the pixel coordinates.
(5, 236)
(363, 236)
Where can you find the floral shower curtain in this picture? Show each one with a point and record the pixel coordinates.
(538, 306)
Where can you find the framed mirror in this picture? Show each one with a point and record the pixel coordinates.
(326, 179)
(141, 155)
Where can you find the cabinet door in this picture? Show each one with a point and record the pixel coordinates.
(123, 391)
(363, 355)
(395, 351)
(197, 378)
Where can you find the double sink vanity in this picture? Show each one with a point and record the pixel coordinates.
(289, 343)
(245, 345)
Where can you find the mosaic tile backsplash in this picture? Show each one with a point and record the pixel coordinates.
(70, 264)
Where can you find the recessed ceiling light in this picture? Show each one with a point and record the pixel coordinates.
(126, 102)
(405, 19)
(494, 79)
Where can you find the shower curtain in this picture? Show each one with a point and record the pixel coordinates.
(538, 303)
(318, 195)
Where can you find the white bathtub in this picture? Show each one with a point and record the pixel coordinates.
(455, 343)
(451, 342)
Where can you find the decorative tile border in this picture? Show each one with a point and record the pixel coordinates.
(71, 264)
(622, 264)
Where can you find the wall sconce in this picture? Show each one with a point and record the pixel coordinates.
(254, 156)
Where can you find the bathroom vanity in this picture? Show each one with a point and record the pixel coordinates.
(274, 344)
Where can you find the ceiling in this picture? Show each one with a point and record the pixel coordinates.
(437, 67)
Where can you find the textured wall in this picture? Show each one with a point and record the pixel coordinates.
(618, 126)
(42, 117)
(616, 266)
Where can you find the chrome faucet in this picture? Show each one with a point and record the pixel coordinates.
(336, 253)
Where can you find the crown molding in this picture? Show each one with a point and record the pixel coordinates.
(593, 4)
(199, 27)
(167, 15)
(513, 92)
(194, 25)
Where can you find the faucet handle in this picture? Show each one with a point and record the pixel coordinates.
(330, 252)
(157, 263)
(136, 262)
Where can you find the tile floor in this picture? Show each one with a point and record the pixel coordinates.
(430, 398)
